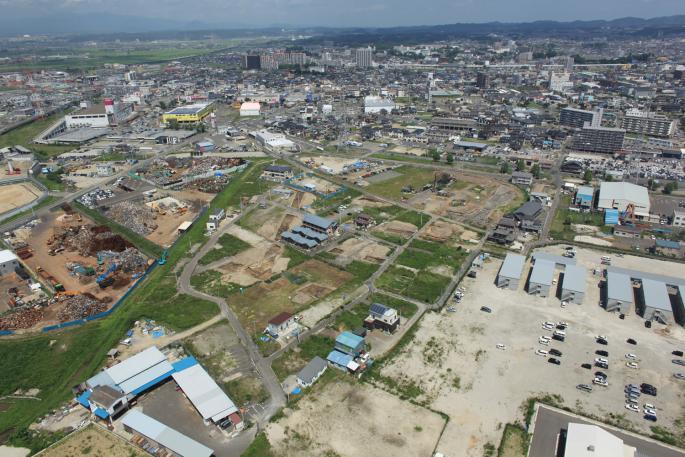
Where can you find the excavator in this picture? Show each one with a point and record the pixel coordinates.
(162, 260)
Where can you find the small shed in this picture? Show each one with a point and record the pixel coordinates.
(349, 343)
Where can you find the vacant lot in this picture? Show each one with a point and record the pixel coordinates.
(411, 177)
(294, 291)
(453, 366)
(14, 196)
(410, 282)
(94, 441)
(360, 249)
(349, 419)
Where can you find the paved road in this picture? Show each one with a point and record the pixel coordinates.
(550, 421)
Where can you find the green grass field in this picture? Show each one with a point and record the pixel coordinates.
(56, 361)
(227, 246)
(25, 134)
(411, 176)
(293, 361)
(561, 224)
(423, 285)
(353, 318)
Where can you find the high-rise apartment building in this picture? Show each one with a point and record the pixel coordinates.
(482, 80)
(576, 118)
(364, 57)
(251, 62)
(644, 123)
(599, 139)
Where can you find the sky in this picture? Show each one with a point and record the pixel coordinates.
(231, 13)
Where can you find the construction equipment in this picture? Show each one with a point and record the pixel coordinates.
(11, 170)
(162, 260)
(112, 268)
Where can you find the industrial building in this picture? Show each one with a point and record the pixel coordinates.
(619, 292)
(320, 224)
(447, 125)
(655, 304)
(188, 114)
(652, 124)
(8, 262)
(574, 285)
(375, 105)
(631, 199)
(599, 139)
(591, 440)
(206, 396)
(277, 173)
(250, 109)
(576, 118)
(311, 372)
(274, 141)
(156, 435)
(510, 272)
(541, 278)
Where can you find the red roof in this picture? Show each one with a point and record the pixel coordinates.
(235, 419)
(280, 318)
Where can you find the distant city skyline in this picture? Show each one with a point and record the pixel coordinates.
(351, 13)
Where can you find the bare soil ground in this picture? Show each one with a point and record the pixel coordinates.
(360, 249)
(454, 362)
(322, 186)
(404, 229)
(94, 441)
(352, 419)
(336, 163)
(17, 195)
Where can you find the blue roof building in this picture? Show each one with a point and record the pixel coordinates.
(349, 343)
(339, 360)
(319, 224)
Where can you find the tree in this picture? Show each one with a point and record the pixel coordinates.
(505, 168)
(520, 165)
(162, 105)
(670, 187)
(450, 158)
(435, 155)
(587, 176)
(173, 124)
(653, 184)
(608, 177)
(535, 170)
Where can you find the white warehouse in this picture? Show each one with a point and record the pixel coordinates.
(621, 195)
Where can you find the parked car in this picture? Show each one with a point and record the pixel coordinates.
(602, 341)
(649, 417)
(631, 341)
(677, 353)
(679, 376)
(632, 365)
(555, 352)
(541, 352)
(602, 353)
(631, 356)
(602, 365)
(600, 382)
(485, 309)
(600, 374)
(601, 360)
(678, 362)
(501, 346)
(554, 361)
(648, 324)
(584, 387)
(632, 407)
(559, 337)
(587, 366)
(543, 341)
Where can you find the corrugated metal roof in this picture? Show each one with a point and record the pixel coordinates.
(318, 221)
(656, 295)
(586, 191)
(557, 259)
(512, 267)
(204, 393)
(164, 435)
(624, 191)
(339, 358)
(574, 278)
(619, 287)
(136, 364)
(610, 216)
(543, 272)
(635, 274)
(349, 339)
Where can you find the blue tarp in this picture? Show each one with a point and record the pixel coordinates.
(152, 383)
(101, 413)
(83, 398)
(296, 391)
(610, 216)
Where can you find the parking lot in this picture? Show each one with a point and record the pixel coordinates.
(455, 362)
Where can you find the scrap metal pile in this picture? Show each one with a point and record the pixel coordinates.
(78, 306)
(212, 185)
(87, 240)
(131, 260)
(138, 218)
(21, 318)
(172, 170)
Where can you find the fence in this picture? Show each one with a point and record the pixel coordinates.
(289, 183)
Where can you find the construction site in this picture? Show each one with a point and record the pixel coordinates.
(205, 174)
(86, 266)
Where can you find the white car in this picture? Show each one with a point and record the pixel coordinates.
(650, 411)
(501, 346)
(543, 342)
(547, 327)
(630, 356)
(679, 376)
(565, 324)
(600, 382)
(545, 337)
(548, 324)
(601, 337)
(541, 352)
(649, 406)
(601, 360)
(633, 407)
(632, 365)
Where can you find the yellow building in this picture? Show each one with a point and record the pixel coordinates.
(188, 114)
